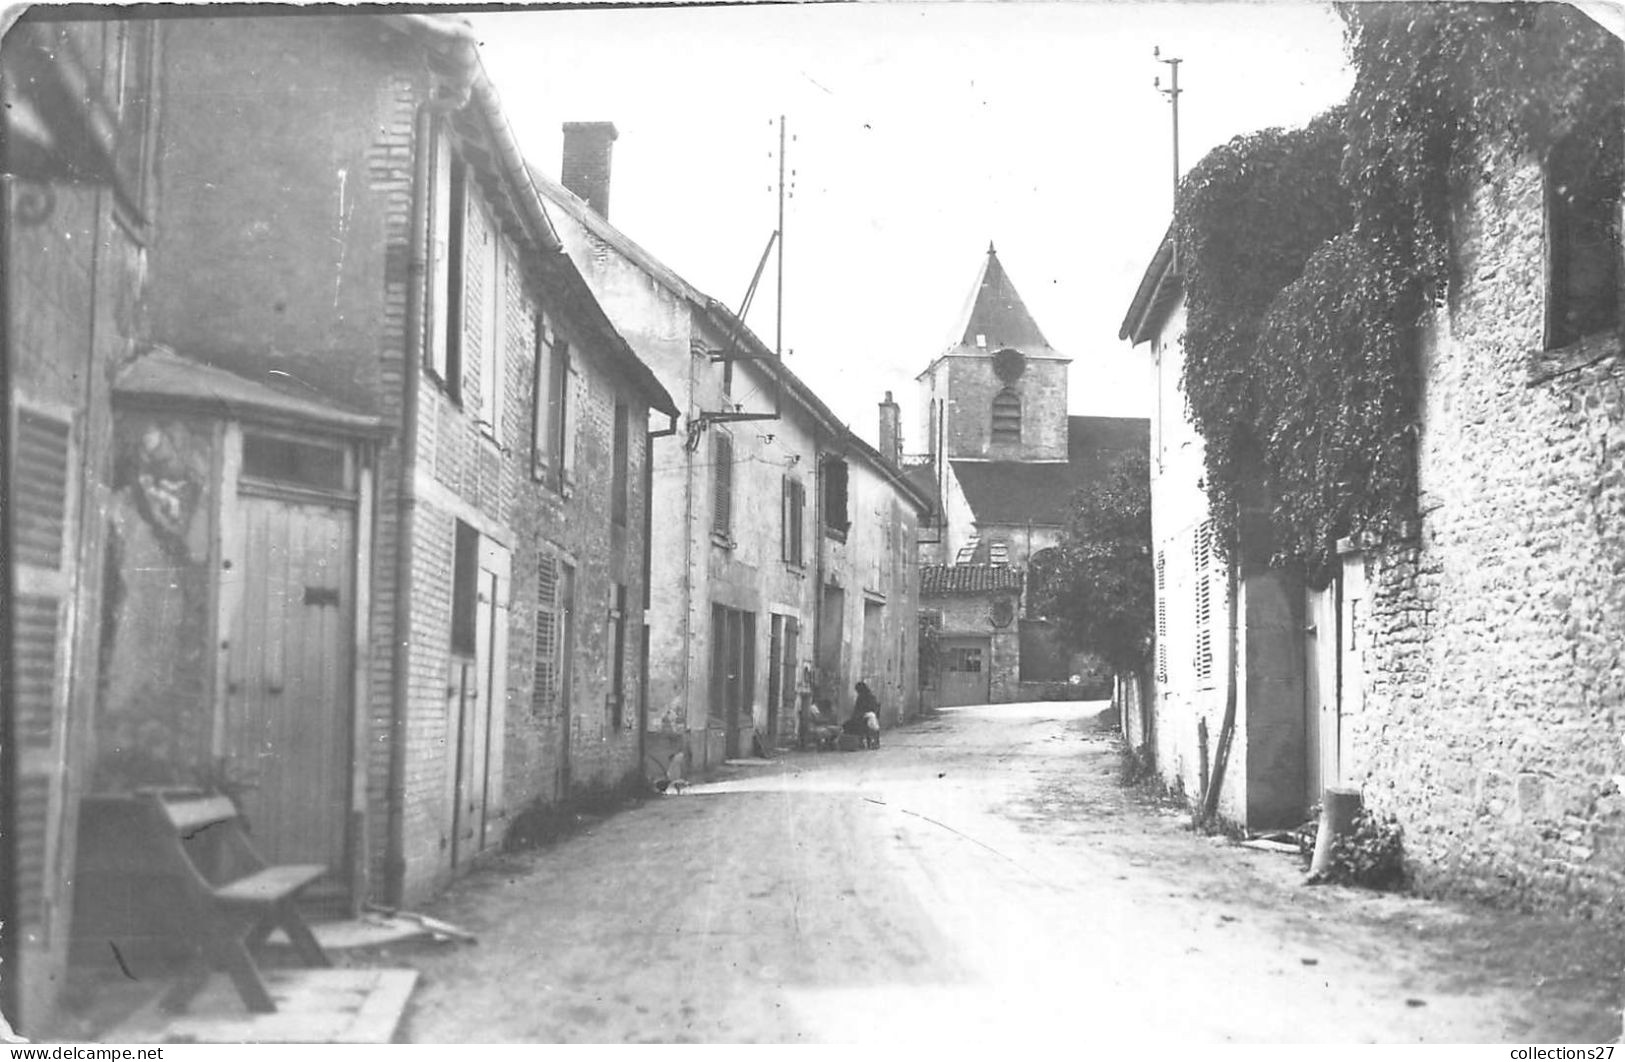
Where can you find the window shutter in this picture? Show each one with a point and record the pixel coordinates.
(1162, 617)
(1202, 558)
(568, 414)
(798, 507)
(545, 667)
(42, 460)
(723, 483)
(785, 553)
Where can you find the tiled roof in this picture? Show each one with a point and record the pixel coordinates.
(1021, 492)
(941, 579)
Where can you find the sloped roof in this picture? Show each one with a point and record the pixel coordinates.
(995, 312)
(164, 378)
(923, 477)
(1021, 492)
(1159, 288)
(939, 580)
(726, 321)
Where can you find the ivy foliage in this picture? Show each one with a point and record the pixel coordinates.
(1434, 81)
(1311, 258)
(1097, 583)
(1250, 215)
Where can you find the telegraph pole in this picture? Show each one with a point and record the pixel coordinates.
(778, 327)
(1172, 92)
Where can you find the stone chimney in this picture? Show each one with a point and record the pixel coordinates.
(587, 148)
(891, 428)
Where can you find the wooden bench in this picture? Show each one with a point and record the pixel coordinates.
(187, 870)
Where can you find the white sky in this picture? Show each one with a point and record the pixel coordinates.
(922, 131)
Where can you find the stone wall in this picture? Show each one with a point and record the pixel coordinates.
(1494, 675)
(968, 383)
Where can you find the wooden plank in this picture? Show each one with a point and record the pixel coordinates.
(190, 815)
(270, 886)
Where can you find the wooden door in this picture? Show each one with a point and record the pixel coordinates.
(775, 661)
(1321, 723)
(1351, 630)
(288, 714)
(963, 677)
(482, 712)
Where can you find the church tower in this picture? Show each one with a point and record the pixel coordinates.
(999, 392)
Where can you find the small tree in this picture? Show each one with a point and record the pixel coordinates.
(1099, 588)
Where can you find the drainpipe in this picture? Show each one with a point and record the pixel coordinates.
(648, 577)
(688, 570)
(406, 504)
(818, 550)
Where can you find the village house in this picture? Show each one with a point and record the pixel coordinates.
(1004, 464)
(787, 544)
(1464, 673)
(357, 511)
(1270, 779)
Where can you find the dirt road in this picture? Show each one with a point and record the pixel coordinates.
(983, 877)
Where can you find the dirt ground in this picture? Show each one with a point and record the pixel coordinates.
(981, 878)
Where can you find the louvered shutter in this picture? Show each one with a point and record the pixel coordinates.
(1202, 560)
(784, 521)
(798, 509)
(545, 666)
(1162, 617)
(42, 460)
(723, 483)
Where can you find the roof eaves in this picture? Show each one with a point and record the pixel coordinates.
(452, 38)
(1149, 296)
(620, 352)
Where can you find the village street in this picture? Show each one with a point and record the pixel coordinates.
(982, 877)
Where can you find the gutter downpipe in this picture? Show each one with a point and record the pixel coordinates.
(818, 556)
(406, 504)
(649, 438)
(688, 576)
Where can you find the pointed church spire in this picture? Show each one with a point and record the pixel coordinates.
(995, 317)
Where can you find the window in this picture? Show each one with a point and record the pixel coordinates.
(618, 468)
(465, 589)
(617, 678)
(293, 462)
(551, 442)
(795, 503)
(722, 483)
(836, 520)
(1583, 174)
(450, 205)
(1007, 417)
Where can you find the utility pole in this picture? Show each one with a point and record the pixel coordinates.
(1172, 92)
(778, 327)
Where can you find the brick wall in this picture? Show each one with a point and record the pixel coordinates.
(1491, 722)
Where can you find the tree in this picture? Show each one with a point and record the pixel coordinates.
(1099, 584)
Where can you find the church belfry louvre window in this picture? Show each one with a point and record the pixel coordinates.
(1583, 245)
(1007, 416)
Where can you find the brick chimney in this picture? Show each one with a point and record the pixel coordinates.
(891, 437)
(587, 148)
